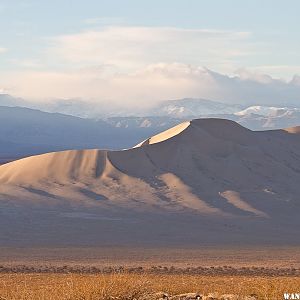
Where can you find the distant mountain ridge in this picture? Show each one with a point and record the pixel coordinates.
(25, 131)
(176, 108)
(189, 107)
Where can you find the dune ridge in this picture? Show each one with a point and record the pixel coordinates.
(165, 135)
(295, 130)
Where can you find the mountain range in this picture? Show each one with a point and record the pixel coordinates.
(28, 128)
(186, 108)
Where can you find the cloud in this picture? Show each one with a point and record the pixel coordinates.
(141, 65)
(153, 83)
(130, 48)
(3, 50)
(277, 70)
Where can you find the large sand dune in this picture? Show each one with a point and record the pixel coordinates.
(208, 180)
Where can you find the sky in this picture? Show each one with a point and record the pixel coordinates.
(133, 50)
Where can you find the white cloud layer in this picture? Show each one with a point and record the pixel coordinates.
(129, 48)
(153, 83)
(141, 65)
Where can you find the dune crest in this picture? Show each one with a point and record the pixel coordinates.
(295, 130)
(165, 135)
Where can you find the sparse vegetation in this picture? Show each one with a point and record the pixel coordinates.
(158, 270)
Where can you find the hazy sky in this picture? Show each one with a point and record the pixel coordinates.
(107, 49)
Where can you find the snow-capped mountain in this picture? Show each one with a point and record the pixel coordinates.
(180, 108)
(166, 114)
(143, 122)
(263, 117)
(192, 107)
(268, 111)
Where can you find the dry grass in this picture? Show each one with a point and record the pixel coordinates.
(134, 286)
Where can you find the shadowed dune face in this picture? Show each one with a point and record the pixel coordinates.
(211, 168)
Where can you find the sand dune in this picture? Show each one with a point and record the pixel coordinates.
(227, 181)
(295, 130)
(165, 135)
